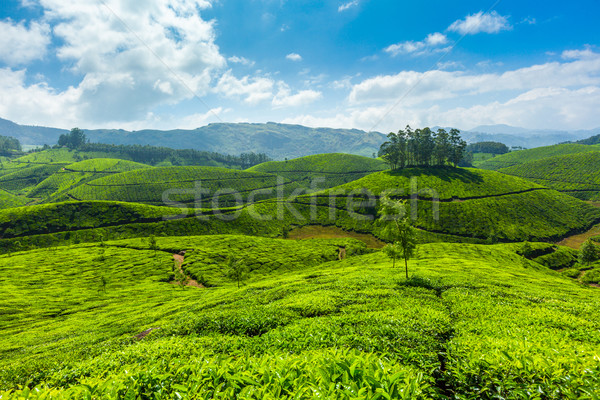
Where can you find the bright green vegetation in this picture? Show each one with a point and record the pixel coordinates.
(76, 174)
(522, 156)
(22, 180)
(323, 170)
(479, 158)
(574, 174)
(472, 204)
(473, 321)
(8, 200)
(181, 183)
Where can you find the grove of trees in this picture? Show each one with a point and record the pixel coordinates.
(422, 147)
(488, 147)
(8, 143)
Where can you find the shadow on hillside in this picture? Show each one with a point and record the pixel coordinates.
(447, 174)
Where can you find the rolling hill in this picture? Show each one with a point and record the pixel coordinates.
(471, 203)
(575, 174)
(522, 156)
(323, 170)
(159, 185)
(456, 327)
(73, 175)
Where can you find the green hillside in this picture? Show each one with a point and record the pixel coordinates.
(22, 180)
(76, 174)
(473, 321)
(472, 203)
(522, 156)
(8, 200)
(149, 186)
(574, 174)
(323, 170)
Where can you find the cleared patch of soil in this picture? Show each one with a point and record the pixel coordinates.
(333, 232)
(179, 259)
(576, 241)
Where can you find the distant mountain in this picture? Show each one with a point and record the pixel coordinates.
(279, 141)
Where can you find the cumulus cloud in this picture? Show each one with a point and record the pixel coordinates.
(285, 98)
(20, 44)
(481, 22)
(294, 57)
(348, 5)
(426, 46)
(241, 60)
(416, 87)
(253, 90)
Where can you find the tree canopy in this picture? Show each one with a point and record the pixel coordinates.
(422, 147)
(74, 139)
(8, 143)
(488, 147)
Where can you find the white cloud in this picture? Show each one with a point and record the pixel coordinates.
(294, 57)
(241, 60)
(427, 46)
(134, 56)
(252, 89)
(20, 44)
(578, 54)
(480, 22)
(348, 5)
(417, 87)
(285, 98)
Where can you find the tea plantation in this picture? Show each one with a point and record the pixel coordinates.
(575, 174)
(522, 156)
(472, 321)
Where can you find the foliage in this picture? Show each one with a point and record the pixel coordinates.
(236, 270)
(398, 230)
(422, 147)
(589, 252)
(343, 329)
(488, 147)
(74, 139)
(8, 144)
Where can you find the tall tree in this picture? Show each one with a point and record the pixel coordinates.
(398, 230)
(589, 252)
(443, 147)
(458, 147)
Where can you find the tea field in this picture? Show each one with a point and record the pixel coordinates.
(575, 174)
(523, 156)
(472, 321)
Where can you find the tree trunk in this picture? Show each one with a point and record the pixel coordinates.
(406, 267)
(393, 262)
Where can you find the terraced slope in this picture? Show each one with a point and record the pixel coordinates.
(466, 202)
(182, 184)
(574, 174)
(343, 329)
(23, 180)
(522, 156)
(73, 175)
(323, 170)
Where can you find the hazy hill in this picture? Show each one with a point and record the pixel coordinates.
(279, 141)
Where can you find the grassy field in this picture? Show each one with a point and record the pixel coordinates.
(523, 156)
(575, 174)
(473, 321)
(8, 200)
(323, 170)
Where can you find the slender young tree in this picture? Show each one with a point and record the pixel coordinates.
(236, 271)
(398, 230)
(589, 252)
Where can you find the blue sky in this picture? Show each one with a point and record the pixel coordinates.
(367, 64)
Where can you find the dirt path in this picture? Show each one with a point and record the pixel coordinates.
(333, 232)
(576, 241)
(179, 259)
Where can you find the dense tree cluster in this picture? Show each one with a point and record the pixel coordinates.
(422, 147)
(8, 143)
(153, 155)
(73, 140)
(488, 147)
